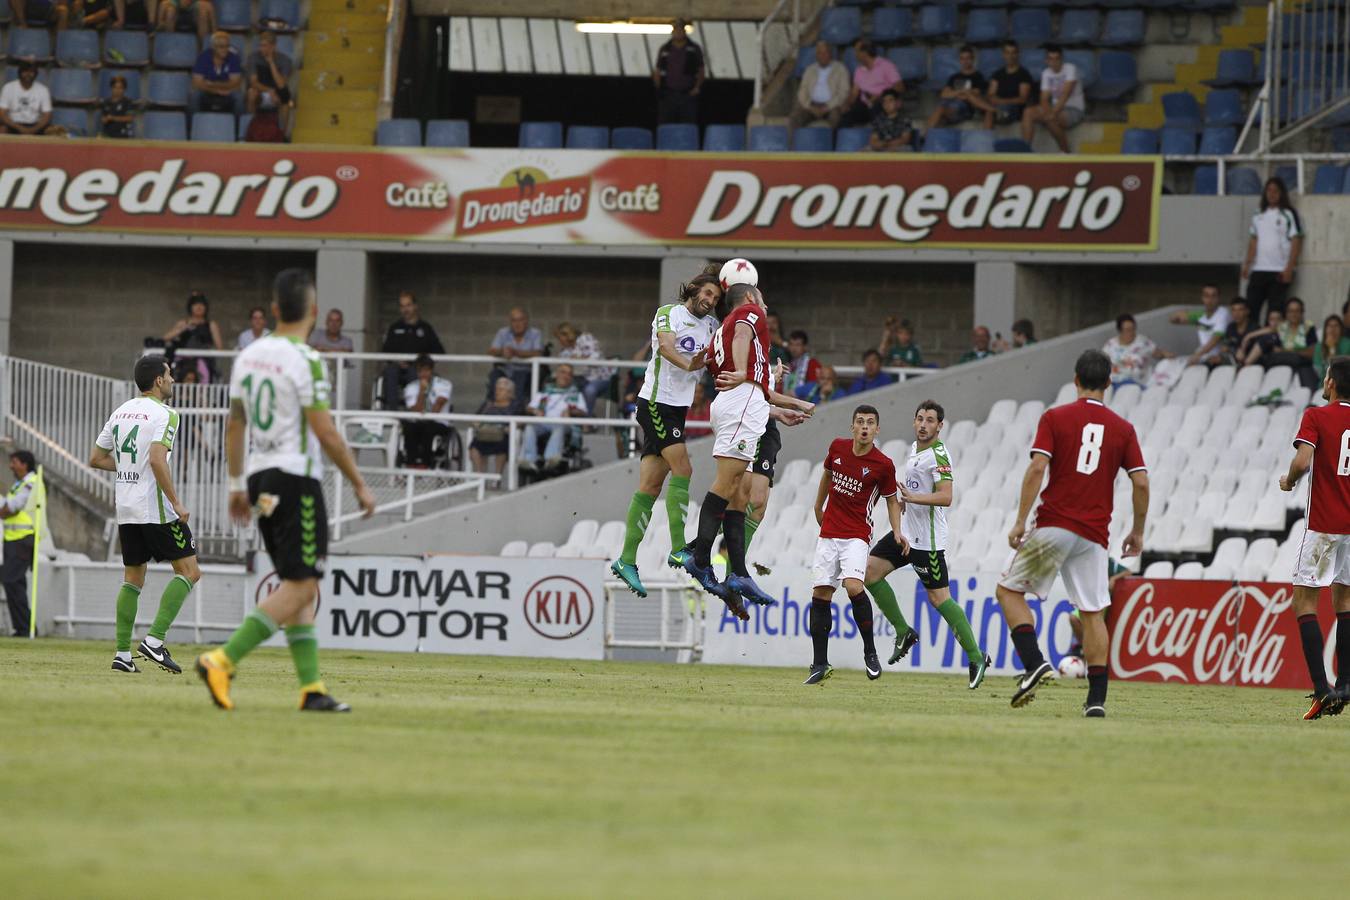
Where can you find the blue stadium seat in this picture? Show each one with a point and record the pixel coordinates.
(812, 140)
(942, 140)
(805, 56)
(1011, 145)
(1329, 179)
(986, 26)
(74, 86)
(1206, 180)
(988, 60)
(1117, 75)
(243, 126)
(30, 43)
(1181, 110)
(1340, 140)
(1224, 107)
(1085, 61)
(174, 50)
(849, 57)
(126, 48)
(1178, 142)
(841, 24)
(911, 62)
(1030, 26)
(977, 140)
(890, 24)
(852, 140)
(944, 64)
(1237, 68)
(535, 135)
(1079, 26)
(1033, 61)
(1139, 141)
(1245, 182)
(165, 126)
(286, 10)
(998, 3)
(1205, 5)
(1218, 141)
(1289, 175)
(1345, 185)
(132, 76)
(400, 133)
(629, 138)
(213, 126)
(77, 47)
(74, 121)
(724, 138)
(234, 15)
(1122, 28)
(769, 138)
(168, 89)
(286, 44)
(936, 22)
(677, 137)
(447, 133)
(587, 137)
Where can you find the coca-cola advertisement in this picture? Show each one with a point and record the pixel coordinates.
(494, 196)
(1211, 632)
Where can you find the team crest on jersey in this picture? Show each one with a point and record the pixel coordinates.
(837, 462)
(675, 432)
(866, 470)
(741, 446)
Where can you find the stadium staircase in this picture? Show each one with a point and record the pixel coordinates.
(344, 59)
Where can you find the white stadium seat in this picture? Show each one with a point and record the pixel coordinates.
(897, 450)
(542, 550)
(1256, 564)
(609, 539)
(1270, 511)
(1068, 393)
(1029, 413)
(583, 533)
(1226, 560)
(1125, 398)
(1245, 387)
(1197, 536)
(515, 548)
(960, 434)
(1002, 412)
(1164, 536)
(1188, 387)
(1190, 570)
(1299, 397)
(1286, 558)
(569, 551)
(1276, 378)
(1159, 569)
(796, 472)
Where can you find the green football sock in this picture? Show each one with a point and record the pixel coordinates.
(256, 628)
(951, 611)
(169, 603)
(890, 607)
(639, 514)
(305, 652)
(127, 598)
(751, 524)
(677, 506)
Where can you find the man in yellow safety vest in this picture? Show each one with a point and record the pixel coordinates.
(19, 528)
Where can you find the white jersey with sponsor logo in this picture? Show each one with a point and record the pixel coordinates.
(128, 435)
(925, 527)
(277, 379)
(674, 386)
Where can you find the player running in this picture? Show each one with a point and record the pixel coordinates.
(680, 335)
(1323, 446)
(137, 443)
(1083, 444)
(926, 491)
(855, 473)
(279, 401)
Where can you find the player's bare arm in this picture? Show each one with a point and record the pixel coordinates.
(665, 345)
(159, 465)
(1031, 486)
(235, 433)
(1298, 467)
(102, 459)
(320, 422)
(740, 357)
(1134, 541)
(893, 510)
(941, 496)
(821, 493)
(788, 417)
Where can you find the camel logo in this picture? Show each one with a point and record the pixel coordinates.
(524, 198)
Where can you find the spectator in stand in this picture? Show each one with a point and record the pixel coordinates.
(331, 339)
(678, 76)
(560, 398)
(1131, 353)
(1273, 249)
(429, 394)
(1211, 324)
(516, 340)
(1062, 105)
(980, 346)
(1291, 342)
(823, 389)
(593, 381)
(1235, 335)
(897, 343)
(217, 75)
(890, 130)
(1334, 343)
(1010, 89)
(963, 93)
(803, 368)
(1262, 340)
(196, 332)
(778, 348)
(101, 14)
(874, 76)
(57, 12)
(410, 336)
(257, 327)
(699, 411)
(203, 15)
(118, 112)
(269, 71)
(26, 104)
(822, 95)
(871, 377)
(490, 438)
(1023, 334)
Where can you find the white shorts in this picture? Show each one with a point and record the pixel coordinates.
(1322, 559)
(837, 559)
(1048, 552)
(739, 417)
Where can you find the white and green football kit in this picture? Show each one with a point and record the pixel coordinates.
(925, 527)
(668, 391)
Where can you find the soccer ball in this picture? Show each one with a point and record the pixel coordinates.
(1072, 667)
(738, 271)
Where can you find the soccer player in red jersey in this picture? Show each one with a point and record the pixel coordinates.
(855, 474)
(1083, 444)
(1323, 445)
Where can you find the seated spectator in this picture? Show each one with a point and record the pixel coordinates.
(331, 339)
(778, 348)
(58, 12)
(1131, 353)
(1239, 328)
(118, 112)
(1262, 340)
(516, 340)
(560, 398)
(803, 368)
(699, 411)
(979, 346)
(99, 14)
(823, 389)
(1023, 333)
(490, 438)
(429, 393)
(874, 76)
(1010, 89)
(1291, 342)
(196, 332)
(963, 93)
(257, 327)
(269, 71)
(890, 130)
(1062, 105)
(1334, 343)
(823, 93)
(1211, 324)
(26, 104)
(897, 343)
(217, 75)
(593, 381)
(412, 336)
(872, 376)
(203, 16)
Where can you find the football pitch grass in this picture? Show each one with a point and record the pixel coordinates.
(487, 777)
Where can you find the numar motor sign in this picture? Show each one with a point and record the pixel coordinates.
(584, 197)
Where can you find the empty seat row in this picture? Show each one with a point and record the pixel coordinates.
(1171, 141)
(159, 125)
(80, 48)
(1118, 28)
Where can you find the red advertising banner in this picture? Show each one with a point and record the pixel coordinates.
(582, 197)
(1211, 632)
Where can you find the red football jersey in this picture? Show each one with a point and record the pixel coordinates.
(757, 363)
(1327, 428)
(855, 484)
(1087, 444)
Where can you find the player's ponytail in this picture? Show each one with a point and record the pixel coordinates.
(689, 290)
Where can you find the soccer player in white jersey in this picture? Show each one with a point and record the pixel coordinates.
(926, 489)
(152, 523)
(279, 402)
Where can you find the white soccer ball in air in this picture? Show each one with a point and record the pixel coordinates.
(738, 271)
(1072, 667)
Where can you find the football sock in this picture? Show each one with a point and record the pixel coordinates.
(862, 614)
(304, 652)
(890, 608)
(1024, 639)
(127, 598)
(170, 602)
(1342, 649)
(751, 525)
(709, 523)
(124, 655)
(951, 611)
(639, 514)
(820, 631)
(1311, 634)
(733, 537)
(677, 507)
(256, 628)
(1096, 685)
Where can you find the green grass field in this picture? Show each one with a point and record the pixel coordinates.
(473, 777)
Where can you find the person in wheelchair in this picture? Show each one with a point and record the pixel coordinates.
(561, 397)
(428, 393)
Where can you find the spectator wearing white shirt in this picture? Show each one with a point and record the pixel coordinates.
(257, 328)
(822, 94)
(1211, 324)
(574, 344)
(429, 394)
(1131, 354)
(26, 104)
(1272, 250)
(558, 399)
(1062, 105)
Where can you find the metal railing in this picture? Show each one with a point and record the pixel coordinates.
(1267, 163)
(680, 613)
(395, 20)
(780, 36)
(218, 603)
(1307, 70)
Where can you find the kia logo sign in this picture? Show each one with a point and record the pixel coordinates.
(558, 607)
(271, 581)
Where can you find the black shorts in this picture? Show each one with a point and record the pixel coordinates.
(662, 425)
(158, 542)
(293, 521)
(929, 565)
(766, 458)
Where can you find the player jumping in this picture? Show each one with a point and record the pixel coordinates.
(1083, 444)
(1323, 445)
(279, 401)
(855, 473)
(137, 443)
(927, 493)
